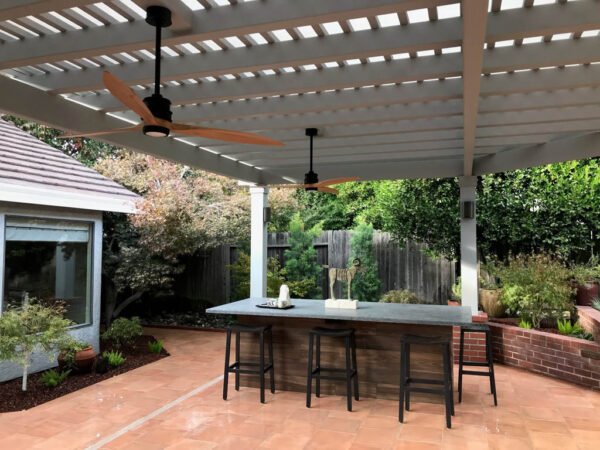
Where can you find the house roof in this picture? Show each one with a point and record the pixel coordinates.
(33, 172)
(397, 88)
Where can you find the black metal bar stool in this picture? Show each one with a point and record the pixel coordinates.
(489, 360)
(238, 367)
(349, 373)
(409, 384)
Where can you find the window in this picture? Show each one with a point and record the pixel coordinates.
(49, 260)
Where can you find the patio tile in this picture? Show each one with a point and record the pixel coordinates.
(534, 412)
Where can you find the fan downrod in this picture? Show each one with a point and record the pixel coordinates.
(159, 17)
(311, 177)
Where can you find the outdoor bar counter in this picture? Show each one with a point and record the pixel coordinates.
(378, 329)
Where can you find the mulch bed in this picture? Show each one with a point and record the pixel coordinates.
(13, 399)
(187, 320)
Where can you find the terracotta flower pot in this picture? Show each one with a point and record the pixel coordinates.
(84, 360)
(490, 302)
(586, 293)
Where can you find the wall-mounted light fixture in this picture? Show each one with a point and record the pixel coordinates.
(266, 215)
(467, 210)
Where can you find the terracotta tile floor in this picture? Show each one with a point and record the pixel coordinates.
(176, 403)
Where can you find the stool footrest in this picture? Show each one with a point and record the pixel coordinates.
(475, 372)
(237, 367)
(476, 364)
(424, 390)
(424, 381)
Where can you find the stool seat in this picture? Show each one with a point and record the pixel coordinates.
(259, 367)
(348, 373)
(334, 332)
(410, 384)
(489, 358)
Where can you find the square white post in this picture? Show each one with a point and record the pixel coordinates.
(259, 198)
(468, 246)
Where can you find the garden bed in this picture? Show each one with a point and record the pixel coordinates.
(187, 320)
(13, 399)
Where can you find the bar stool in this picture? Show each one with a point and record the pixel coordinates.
(238, 367)
(349, 373)
(407, 383)
(489, 360)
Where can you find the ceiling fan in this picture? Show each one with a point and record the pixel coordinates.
(311, 179)
(155, 111)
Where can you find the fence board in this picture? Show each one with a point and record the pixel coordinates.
(400, 266)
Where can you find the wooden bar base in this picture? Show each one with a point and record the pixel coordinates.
(378, 355)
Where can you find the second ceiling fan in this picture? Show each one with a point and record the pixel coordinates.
(311, 179)
(155, 111)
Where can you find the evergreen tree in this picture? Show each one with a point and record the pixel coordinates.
(301, 269)
(366, 285)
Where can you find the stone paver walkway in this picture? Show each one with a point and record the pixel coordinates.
(176, 403)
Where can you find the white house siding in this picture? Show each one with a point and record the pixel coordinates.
(88, 333)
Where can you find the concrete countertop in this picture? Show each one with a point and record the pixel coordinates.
(440, 315)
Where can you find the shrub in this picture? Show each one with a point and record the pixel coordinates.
(535, 288)
(114, 358)
(29, 328)
(123, 331)
(401, 296)
(366, 285)
(52, 378)
(596, 304)
(155, 346)
(240, 273)
(301, 269)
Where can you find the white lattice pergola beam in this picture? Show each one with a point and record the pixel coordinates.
(241, 19)
(9, 9)
(565, 149)
(420, 36)
(430, 67)
(474, 24)
(60, 113)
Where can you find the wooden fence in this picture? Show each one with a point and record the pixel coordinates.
(207, 276)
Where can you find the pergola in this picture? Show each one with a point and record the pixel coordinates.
(397, 88)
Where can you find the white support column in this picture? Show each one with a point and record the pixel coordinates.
(258, 241)
(468, 246)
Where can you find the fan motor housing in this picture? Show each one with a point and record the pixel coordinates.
(311, 178)
(159, 107)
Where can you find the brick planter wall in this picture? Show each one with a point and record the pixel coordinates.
(563, 357)
(567, 358)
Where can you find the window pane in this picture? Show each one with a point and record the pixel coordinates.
(49, 260)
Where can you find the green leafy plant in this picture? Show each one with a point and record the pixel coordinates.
(457, 290)
(52, 378)
(525, 324)
(123, 331)
(366, 285)
(596, 304)
(401, 296)
(567, 328)
(29, 328)
(240, 274)
(535, 288)
(302, 272)
(114, 358)
(156, 346)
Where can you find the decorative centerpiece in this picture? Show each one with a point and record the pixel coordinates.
(343, 274)
(284, 297)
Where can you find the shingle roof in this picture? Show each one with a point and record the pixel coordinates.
(28, 163)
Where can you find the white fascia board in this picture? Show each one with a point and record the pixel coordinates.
(37, 195)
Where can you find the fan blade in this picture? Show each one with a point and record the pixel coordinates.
(288, 186)
(100, 133)
(223, 135)
(328, 190)
(333, 181)
(125, 95)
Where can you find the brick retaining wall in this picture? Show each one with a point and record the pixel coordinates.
(567, 358)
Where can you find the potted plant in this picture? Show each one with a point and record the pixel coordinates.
(456, 293)
(76, 355)
(586, 283)
(489, 295)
